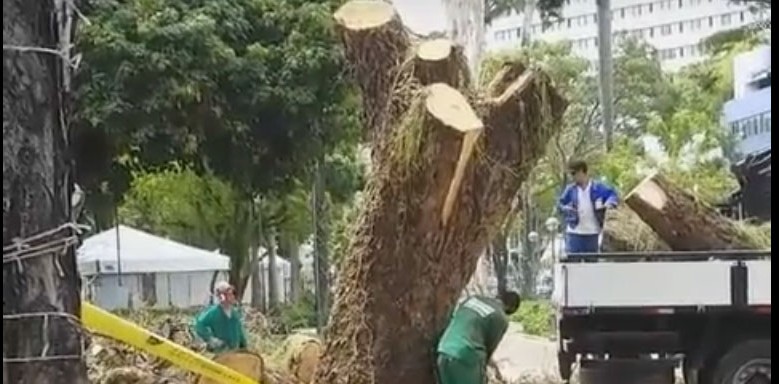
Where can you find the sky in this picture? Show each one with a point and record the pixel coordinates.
(422, 16)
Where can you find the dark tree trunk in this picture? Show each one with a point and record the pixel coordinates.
(273, 278)
(291, 249)
(500, 259)
(36, 198)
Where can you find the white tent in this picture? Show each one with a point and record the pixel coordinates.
(146, 270)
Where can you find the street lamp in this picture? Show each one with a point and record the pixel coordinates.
(552, 225)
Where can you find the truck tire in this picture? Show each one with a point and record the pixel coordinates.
(625, 371)
(748, 360)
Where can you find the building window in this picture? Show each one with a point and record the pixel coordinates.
(681, 27)
(766, 120)
(519, 32)
(651, 7)
(711, 21)
(741, 16)
(637, 10)
(665, 30)
(725, 20)
(681, 3)
(622, 13)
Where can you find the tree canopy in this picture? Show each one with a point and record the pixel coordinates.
(249, 90)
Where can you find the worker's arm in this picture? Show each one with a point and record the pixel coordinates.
(242, 343)
(609, 195)
(564, 203)
(495, 335)
(202, 325)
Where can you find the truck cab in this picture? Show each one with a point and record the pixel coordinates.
(634, 318)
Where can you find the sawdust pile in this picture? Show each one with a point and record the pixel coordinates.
(293, 357)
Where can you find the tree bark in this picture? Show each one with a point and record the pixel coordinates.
(443, 184)
(682, 221)
(291, 249)
(257, 300)
(500, 259)
(273, 278)
(321, 254)
(36, 198)
(375, 67)
(624, 231)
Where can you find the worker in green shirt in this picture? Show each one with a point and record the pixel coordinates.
(221, 325)
(474, 331)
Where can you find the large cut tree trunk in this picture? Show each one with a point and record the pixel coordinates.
(41, 290)
(624, 231)
(448, 169)
(682, 221)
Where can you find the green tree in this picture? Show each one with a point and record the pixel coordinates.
(229, 87)
(249, 92)
(549, 9)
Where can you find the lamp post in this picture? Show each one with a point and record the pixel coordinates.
(552, 225)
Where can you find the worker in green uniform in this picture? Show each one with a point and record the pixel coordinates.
(474, 331)
(221, 324)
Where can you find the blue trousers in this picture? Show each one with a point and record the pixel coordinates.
(576, 243)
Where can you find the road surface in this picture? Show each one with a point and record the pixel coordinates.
(523, 356)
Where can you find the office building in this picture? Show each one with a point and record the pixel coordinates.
(676, 28)
(748, 118)
(748, 114)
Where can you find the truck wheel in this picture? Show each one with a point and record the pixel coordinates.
(748, 362)
(625, 371)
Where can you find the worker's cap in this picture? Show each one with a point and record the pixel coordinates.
(222, 287)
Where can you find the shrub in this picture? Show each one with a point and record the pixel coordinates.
(536, 317)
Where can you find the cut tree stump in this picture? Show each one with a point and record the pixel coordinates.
(448, 162)
(439, 61)
(682, 221)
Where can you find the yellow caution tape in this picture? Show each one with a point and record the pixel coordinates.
(104, 323)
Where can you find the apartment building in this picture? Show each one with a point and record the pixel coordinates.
(748, 114)
(676, 28)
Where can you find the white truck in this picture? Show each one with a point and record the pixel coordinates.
(633, 318)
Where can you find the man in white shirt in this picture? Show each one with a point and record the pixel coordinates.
(583, 205)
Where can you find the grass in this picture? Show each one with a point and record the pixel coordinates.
(536, 317)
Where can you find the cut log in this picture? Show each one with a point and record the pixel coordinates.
(375, 44)
(440, 61)
(624, 231)
(682, 221)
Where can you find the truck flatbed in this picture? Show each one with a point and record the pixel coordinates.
(692, 280)
(712, 309)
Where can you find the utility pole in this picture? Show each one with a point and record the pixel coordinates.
(606, 70)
